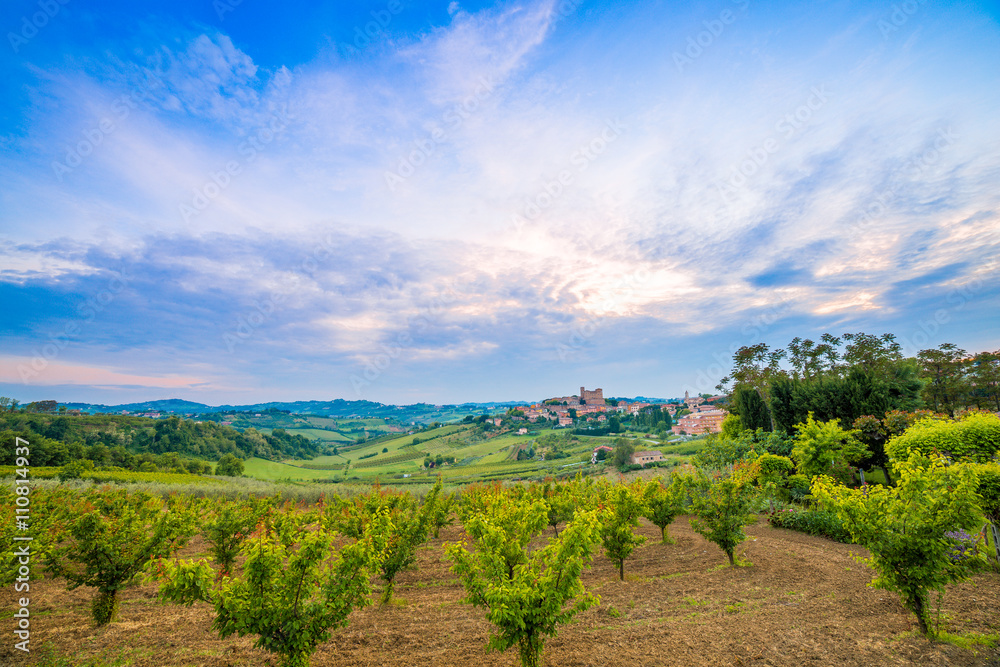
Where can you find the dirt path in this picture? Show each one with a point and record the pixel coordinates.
(803, 602)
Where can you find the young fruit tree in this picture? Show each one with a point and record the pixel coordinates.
(527, 594)
(443, 512)
(50, 509)
(410, 525)
(292, 590)
(662, 503)
(904, 528)
(723, 505)
(231, 524)
(112, 539)
(619, 519)
(560, 502)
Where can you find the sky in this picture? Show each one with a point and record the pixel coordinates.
(399, 201)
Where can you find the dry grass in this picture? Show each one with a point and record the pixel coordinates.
(804, 601)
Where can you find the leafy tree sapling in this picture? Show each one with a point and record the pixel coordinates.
(442, 515)
(560, 503)
(619, 519)
(229, 527)
(410, 526)
(110, 542)
(662, 503)
(292, 591)
(774, 471)
(527, 595)
(903, 527)
(723, 505)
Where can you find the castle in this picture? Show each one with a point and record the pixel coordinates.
(595, 397)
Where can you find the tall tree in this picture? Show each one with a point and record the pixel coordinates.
(755, 367)
(753, 412)
(944, 369)
(871, 353)
(984, 375)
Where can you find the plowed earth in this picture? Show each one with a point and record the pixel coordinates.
(803, 601)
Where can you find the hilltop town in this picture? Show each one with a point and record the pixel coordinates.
(694, 416)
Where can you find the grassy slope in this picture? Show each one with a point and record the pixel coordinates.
(272, 470)
(480, 458)
(325, 436)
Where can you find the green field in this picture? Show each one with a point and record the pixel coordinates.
(272, 470)
(318, 433)
(477, 456)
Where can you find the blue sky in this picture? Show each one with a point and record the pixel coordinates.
(445, 202)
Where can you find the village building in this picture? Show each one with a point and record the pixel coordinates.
(599, 448)
(703, 421)
(692, 402)
(642, 458)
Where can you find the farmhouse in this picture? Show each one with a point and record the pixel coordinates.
(642, 458)
(605, 448)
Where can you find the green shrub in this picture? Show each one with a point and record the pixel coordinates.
(974, 437)
(229, 466)
(796, 488)
(75, 469)
(812, 522)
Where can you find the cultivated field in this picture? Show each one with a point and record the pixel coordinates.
(476, 457)
(804, 601)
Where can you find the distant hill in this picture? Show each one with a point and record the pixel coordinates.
(176, 405)
(338, 408)
(423, 413)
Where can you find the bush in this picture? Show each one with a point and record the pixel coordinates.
(812, 522)
(974, 437)
(796, 488)
(229, 466)
(820, 446)
(75, 469)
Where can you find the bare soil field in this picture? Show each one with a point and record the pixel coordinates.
(803, 601)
